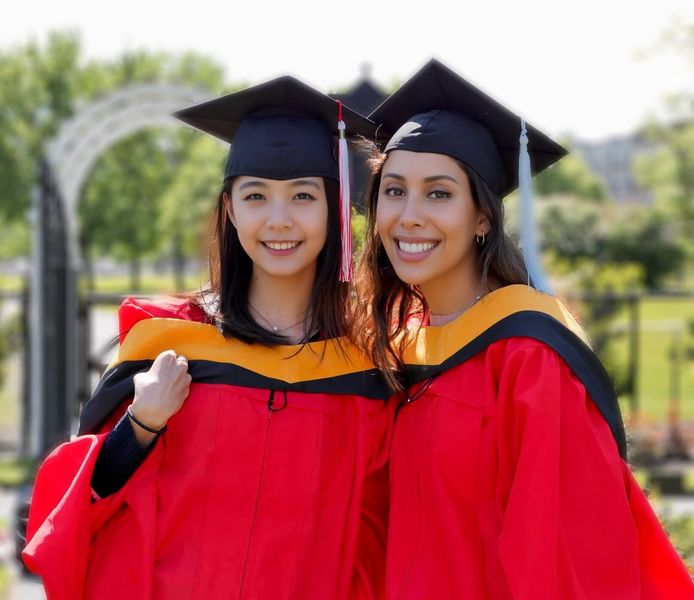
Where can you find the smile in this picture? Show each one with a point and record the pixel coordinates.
(281, 245)
(416, 247)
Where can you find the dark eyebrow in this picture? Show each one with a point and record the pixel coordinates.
(299, 182)
(252, 183)
(438, 177)
(426, 179)
(394, 176)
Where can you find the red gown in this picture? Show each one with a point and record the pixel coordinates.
(251, 493)
(507, 480)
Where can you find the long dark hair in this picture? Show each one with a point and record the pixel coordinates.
(387, 307)
(226, 296)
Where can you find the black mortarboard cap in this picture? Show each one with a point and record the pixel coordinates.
(438, 111)
(281, 129)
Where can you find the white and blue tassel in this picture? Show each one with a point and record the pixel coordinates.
(528, 230)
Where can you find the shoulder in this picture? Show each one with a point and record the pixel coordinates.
(505, 359)
(520, 348)
(132, 310)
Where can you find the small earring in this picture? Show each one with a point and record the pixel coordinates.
(480, 239)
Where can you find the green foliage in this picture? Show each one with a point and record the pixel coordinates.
(649, 239)
(602, 251)
(41, 85)
(598, 281)
(14, 240)
(358, 231)
(37, 87)
(570, 176)
(188, 201)
(119, 208)
(681, 531)
(15, 472)
(10, 341)
(618, 236)
(571, 229)
(668, 172)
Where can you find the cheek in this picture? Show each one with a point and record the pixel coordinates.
(243, 221)
(316, 224)
(386, 214)
(248, 223)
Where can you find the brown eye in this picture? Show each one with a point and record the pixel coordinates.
(394, 191)
(304, 196)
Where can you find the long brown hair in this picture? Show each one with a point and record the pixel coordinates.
(387, 308)
(230, 277)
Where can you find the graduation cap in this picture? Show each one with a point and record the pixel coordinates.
(438, 111)
(285, 129)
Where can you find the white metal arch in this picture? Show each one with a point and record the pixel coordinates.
(71, 156)
(100, 125)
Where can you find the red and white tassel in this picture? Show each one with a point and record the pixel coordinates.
(346, 268)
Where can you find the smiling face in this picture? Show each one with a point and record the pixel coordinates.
(427, 220)
(281, 224)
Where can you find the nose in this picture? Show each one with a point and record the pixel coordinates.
(279, 217)
(411, 215)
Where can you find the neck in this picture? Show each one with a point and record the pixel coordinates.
(454, 292)
(283, 301)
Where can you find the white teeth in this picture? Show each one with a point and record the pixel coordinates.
(415, 248)
(281, 245)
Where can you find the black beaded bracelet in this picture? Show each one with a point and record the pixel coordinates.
(142, 425)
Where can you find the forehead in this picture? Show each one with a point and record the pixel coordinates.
(415, 165)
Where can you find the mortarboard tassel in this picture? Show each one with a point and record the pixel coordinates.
(345, 203)
(528, 231)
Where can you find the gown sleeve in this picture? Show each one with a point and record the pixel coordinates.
(574, 522)
(368, 581)
(64, 517)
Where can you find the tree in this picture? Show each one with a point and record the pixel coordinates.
(668, 172)
(126, 194)
(37, 85)
(188, 201)
(119, 209)
(41, 84)
(613, 236)
(570, 176)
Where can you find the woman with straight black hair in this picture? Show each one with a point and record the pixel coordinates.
(237, 446)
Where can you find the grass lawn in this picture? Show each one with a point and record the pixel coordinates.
(150, 284)
(10, 393)
(11, 283)
(663, 321)
(117, 284)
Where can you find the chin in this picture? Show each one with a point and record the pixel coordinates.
(412, 277)
(284, 270)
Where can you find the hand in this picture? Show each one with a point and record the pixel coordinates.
(159, 393)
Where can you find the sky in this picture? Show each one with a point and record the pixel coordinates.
(591, 69)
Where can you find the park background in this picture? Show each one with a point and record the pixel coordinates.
(614, 82)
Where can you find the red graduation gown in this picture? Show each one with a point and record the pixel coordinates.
(236, 500)
(507, 483)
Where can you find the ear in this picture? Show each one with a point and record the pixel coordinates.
(226, 198)
(483, 224)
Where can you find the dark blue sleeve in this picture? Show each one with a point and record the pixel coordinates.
(119, 458)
